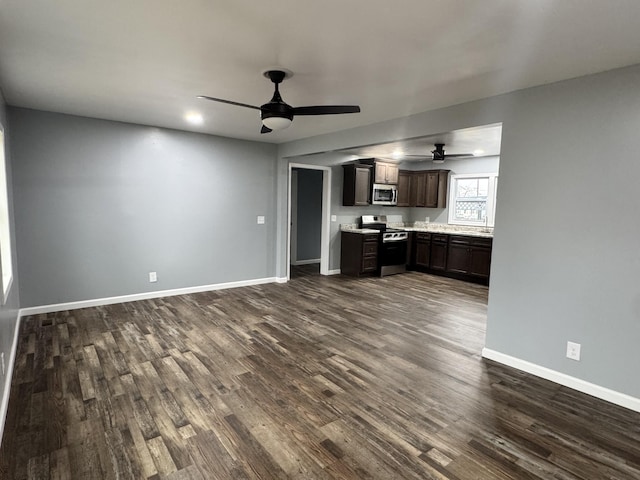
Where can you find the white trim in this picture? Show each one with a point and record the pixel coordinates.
(293, 244)
(282, 280)
(9, 376)
(145, 296)
(326, 216)
(306, 262)
(603, 393)
(337, 271)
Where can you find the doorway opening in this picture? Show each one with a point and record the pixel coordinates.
(309, 194)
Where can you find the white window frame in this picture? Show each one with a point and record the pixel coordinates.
(491, 199)
(6, 263)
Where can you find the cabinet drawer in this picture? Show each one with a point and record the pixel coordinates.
(369, 264)
(482, 242)
(369, 248)
(439, 238)
(423, 236)
(460, 240)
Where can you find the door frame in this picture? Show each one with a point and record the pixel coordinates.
(326, 216)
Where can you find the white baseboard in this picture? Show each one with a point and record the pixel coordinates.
(305, 262)
(58, 307)
(282, 279)
(622, 399)
(4, 405)
(334, 272)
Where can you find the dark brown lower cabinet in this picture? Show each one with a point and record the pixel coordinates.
(359, 253)
(438, 261)
(459, 256)
(423, 249)
(470, 256)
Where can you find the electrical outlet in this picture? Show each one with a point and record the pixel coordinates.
(2, 362)
(153, 277)
(573, 351)
(334, 218)
(426, 219)
(260, 219)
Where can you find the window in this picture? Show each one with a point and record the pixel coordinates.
(473, 199)
(5, 232)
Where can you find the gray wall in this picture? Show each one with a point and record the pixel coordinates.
(9, 311)
(101, 204)
(565, 258)
(309, 221)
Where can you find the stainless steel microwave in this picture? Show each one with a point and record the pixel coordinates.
(384, 194)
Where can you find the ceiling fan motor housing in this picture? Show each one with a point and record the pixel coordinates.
(438, 153)
(276, 109)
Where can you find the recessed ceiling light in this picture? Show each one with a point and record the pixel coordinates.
(194, 117)
(478, 152)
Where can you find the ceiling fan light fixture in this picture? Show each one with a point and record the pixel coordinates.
(276, 123)
(438, 160)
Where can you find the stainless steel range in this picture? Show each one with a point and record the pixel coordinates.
(392, 254)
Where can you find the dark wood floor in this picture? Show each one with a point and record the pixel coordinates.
(308, 270)
(374, 378)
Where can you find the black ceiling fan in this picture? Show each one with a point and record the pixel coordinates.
(277, 115)
(438, 155)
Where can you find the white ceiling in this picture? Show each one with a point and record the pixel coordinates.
(145, 61)
(481, 141)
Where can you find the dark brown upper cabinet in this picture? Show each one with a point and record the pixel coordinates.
(427, 188)
(356, 187)
(386, 173)
(436, 188)
(404, 188)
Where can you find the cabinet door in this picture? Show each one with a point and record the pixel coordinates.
(392, 174)
(431, 195)
(421, 183)
(438, 260)
(480, 262)
(413, 190)
(380, 173)
(423, 250)
(362, 186)
(386, 173)
(443, 182)
(458, 259)
(404, 187)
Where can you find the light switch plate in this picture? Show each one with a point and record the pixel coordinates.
(334, 218)
(260, 219)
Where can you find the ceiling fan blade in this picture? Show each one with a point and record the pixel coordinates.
(459, 155)
(265, 129)
(326, 110)
(229, 102)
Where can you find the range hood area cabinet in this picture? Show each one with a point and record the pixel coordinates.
(424, 188)
(384, 173)
(356, 186)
